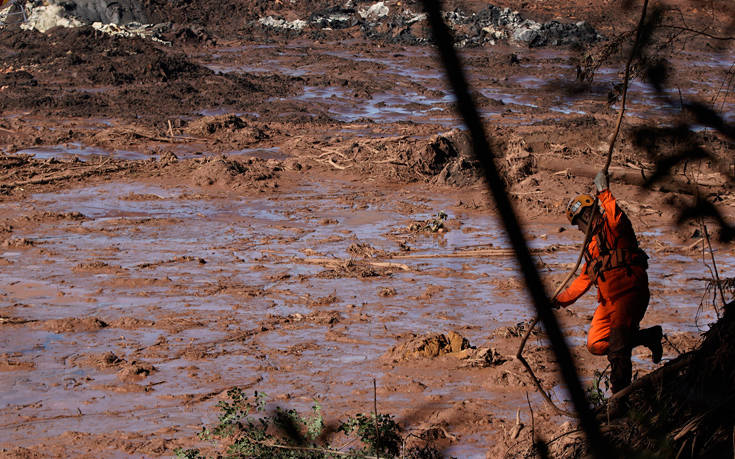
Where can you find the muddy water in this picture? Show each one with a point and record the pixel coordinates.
(216, 291)
(536, 85)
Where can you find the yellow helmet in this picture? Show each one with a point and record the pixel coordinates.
(577, 205)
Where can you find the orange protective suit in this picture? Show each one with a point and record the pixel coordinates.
(618, 266)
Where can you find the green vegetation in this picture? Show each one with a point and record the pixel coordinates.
(244, 429)
(595, 394)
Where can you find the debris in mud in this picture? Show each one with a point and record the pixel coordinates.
(364, 250)
(282, 24)
(316, 317)
(480, 358)
(18, 243)
(73, 325)
(10, 363)
(515, 331)
(355, 268)
(519, 161)
(123, 17)
(229, 124)
(233, 173)
(397, 24)
(106, 360)
(450, 159)
(431, 225)
(443, 148)
(324, 300)
(135, 372)
(97, 267)
(428, 346)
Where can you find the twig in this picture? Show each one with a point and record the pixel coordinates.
(340, 262)
(63, 176)
(375, 410)
(533, 422)
(697, 242)
(309, 449)
(714, 264)
(666, 338)
(466, 253)
(698, 32)
(562, 436)
(170, 129)
(633, 53)
(165, 139)
(534, 379)
(331, 163)
(517, 427)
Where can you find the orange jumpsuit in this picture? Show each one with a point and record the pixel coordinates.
(618, 266)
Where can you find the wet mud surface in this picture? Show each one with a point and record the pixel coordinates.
(252, 211)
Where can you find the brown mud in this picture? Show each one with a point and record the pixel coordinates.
(253, 208)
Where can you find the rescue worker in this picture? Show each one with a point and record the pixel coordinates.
(617, 266)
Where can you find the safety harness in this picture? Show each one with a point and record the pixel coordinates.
(610, 255)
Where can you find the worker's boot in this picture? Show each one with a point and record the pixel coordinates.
(621, 368)
(651, 338)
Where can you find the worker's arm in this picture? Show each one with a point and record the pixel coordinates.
(612, 211)
(578, 287)
(607, 200)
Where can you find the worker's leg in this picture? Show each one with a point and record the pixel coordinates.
(618, 354)
(628, 310)
(651, 338)
(597, 338)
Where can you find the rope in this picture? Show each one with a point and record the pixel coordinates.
(595, 212)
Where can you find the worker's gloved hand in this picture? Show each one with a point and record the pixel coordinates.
(601, 181)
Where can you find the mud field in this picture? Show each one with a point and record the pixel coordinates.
(252, 206)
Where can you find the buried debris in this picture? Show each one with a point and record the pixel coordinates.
(428, 346)
(434, 345)
(431, 225)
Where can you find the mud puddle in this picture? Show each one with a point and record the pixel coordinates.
(158, 299)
